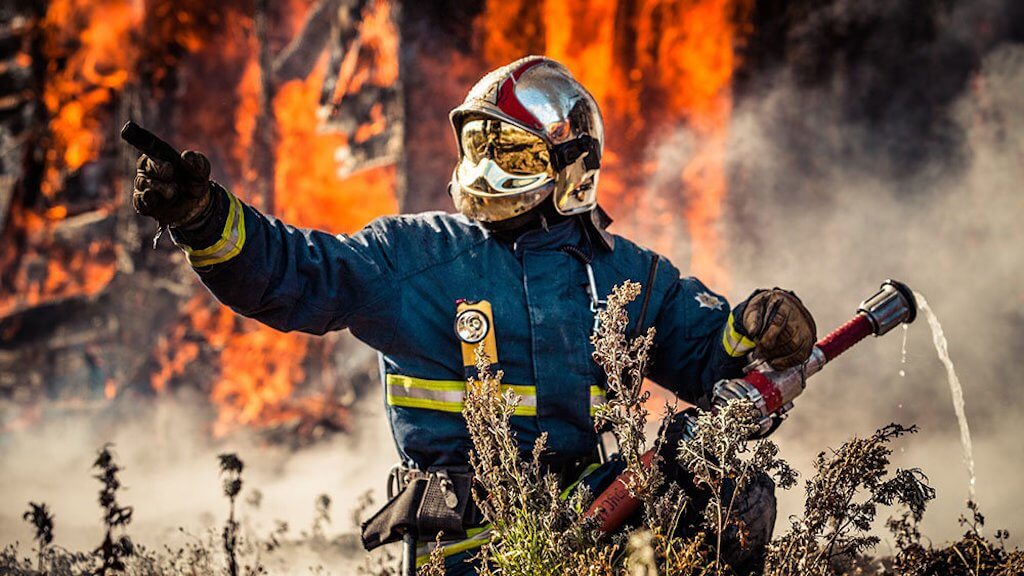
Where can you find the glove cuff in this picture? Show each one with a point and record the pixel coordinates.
(204, 228)
(216, 237)
(736, 339)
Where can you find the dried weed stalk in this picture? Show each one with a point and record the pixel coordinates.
(724, 461)
(842, 502)
(534, 530)
(231, 468)
(114, 549)
(624, 362)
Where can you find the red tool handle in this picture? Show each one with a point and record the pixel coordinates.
(615, 505)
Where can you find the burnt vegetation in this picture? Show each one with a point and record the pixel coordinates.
(539, 528)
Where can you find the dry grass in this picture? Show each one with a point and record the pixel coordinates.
(539, 530)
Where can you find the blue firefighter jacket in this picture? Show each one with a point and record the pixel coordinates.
(396, 283)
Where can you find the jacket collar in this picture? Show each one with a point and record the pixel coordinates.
(567, 233)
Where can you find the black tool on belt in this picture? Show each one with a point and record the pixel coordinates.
(422, 505)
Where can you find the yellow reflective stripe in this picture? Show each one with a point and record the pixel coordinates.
(522, 410)
(424, 384)
(447, 395)
(229, 225)
(477, 537)
(586, 472)
(523, 391)
(424, 403)
(232, 239)
(450, 395)
(597, 398)
(735, 344)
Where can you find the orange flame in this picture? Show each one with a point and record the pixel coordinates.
(46, 270)
(260, 367)
(310, 192)
(86, 43)
(86, 64)
(652, 66)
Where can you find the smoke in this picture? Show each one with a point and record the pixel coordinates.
(886, 139)
(172, 481)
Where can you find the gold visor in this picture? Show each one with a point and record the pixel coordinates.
(513, 149)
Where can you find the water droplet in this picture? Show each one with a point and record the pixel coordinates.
(903, 350)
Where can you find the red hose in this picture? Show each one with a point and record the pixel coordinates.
(841, 339)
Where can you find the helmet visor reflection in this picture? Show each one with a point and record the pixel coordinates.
(513, 149)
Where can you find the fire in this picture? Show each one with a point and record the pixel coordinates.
(88, 65)
(46, 270)
(260, 367)
(653, 67)
(656, 68)
(310, 191)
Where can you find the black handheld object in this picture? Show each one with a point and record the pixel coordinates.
(151, 145)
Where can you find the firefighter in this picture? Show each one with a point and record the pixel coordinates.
(521, 268)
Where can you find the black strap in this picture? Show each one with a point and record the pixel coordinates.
(566, 153)
(647, 288)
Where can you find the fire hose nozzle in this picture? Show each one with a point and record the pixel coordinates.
(892, 305)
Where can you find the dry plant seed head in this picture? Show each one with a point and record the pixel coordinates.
(231, 467)
(112, 552)
(39, 516)
(434, 565)
(641, 560)
(724, 462)
(624, 362)
(534, 530)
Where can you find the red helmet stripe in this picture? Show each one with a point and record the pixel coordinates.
(509, 103)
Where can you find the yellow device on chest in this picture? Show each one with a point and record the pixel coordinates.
(474, 325)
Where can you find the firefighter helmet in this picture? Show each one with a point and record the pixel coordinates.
(526, 131)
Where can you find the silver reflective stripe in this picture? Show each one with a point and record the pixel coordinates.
(396, 391)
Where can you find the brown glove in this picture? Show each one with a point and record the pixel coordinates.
(781, 326)
(172, 197)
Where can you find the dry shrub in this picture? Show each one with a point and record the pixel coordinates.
(534, 530)
(539, 530)
(842, 503)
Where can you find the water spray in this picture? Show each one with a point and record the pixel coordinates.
(773, 392)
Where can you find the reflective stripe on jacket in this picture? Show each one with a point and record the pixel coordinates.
(396, 283)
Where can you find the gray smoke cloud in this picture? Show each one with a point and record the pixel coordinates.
(820, 203)
(171, 479)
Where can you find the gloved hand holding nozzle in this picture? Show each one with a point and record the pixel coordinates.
(776, 325)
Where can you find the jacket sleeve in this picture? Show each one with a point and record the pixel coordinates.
(690, 354)
(292, 279)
